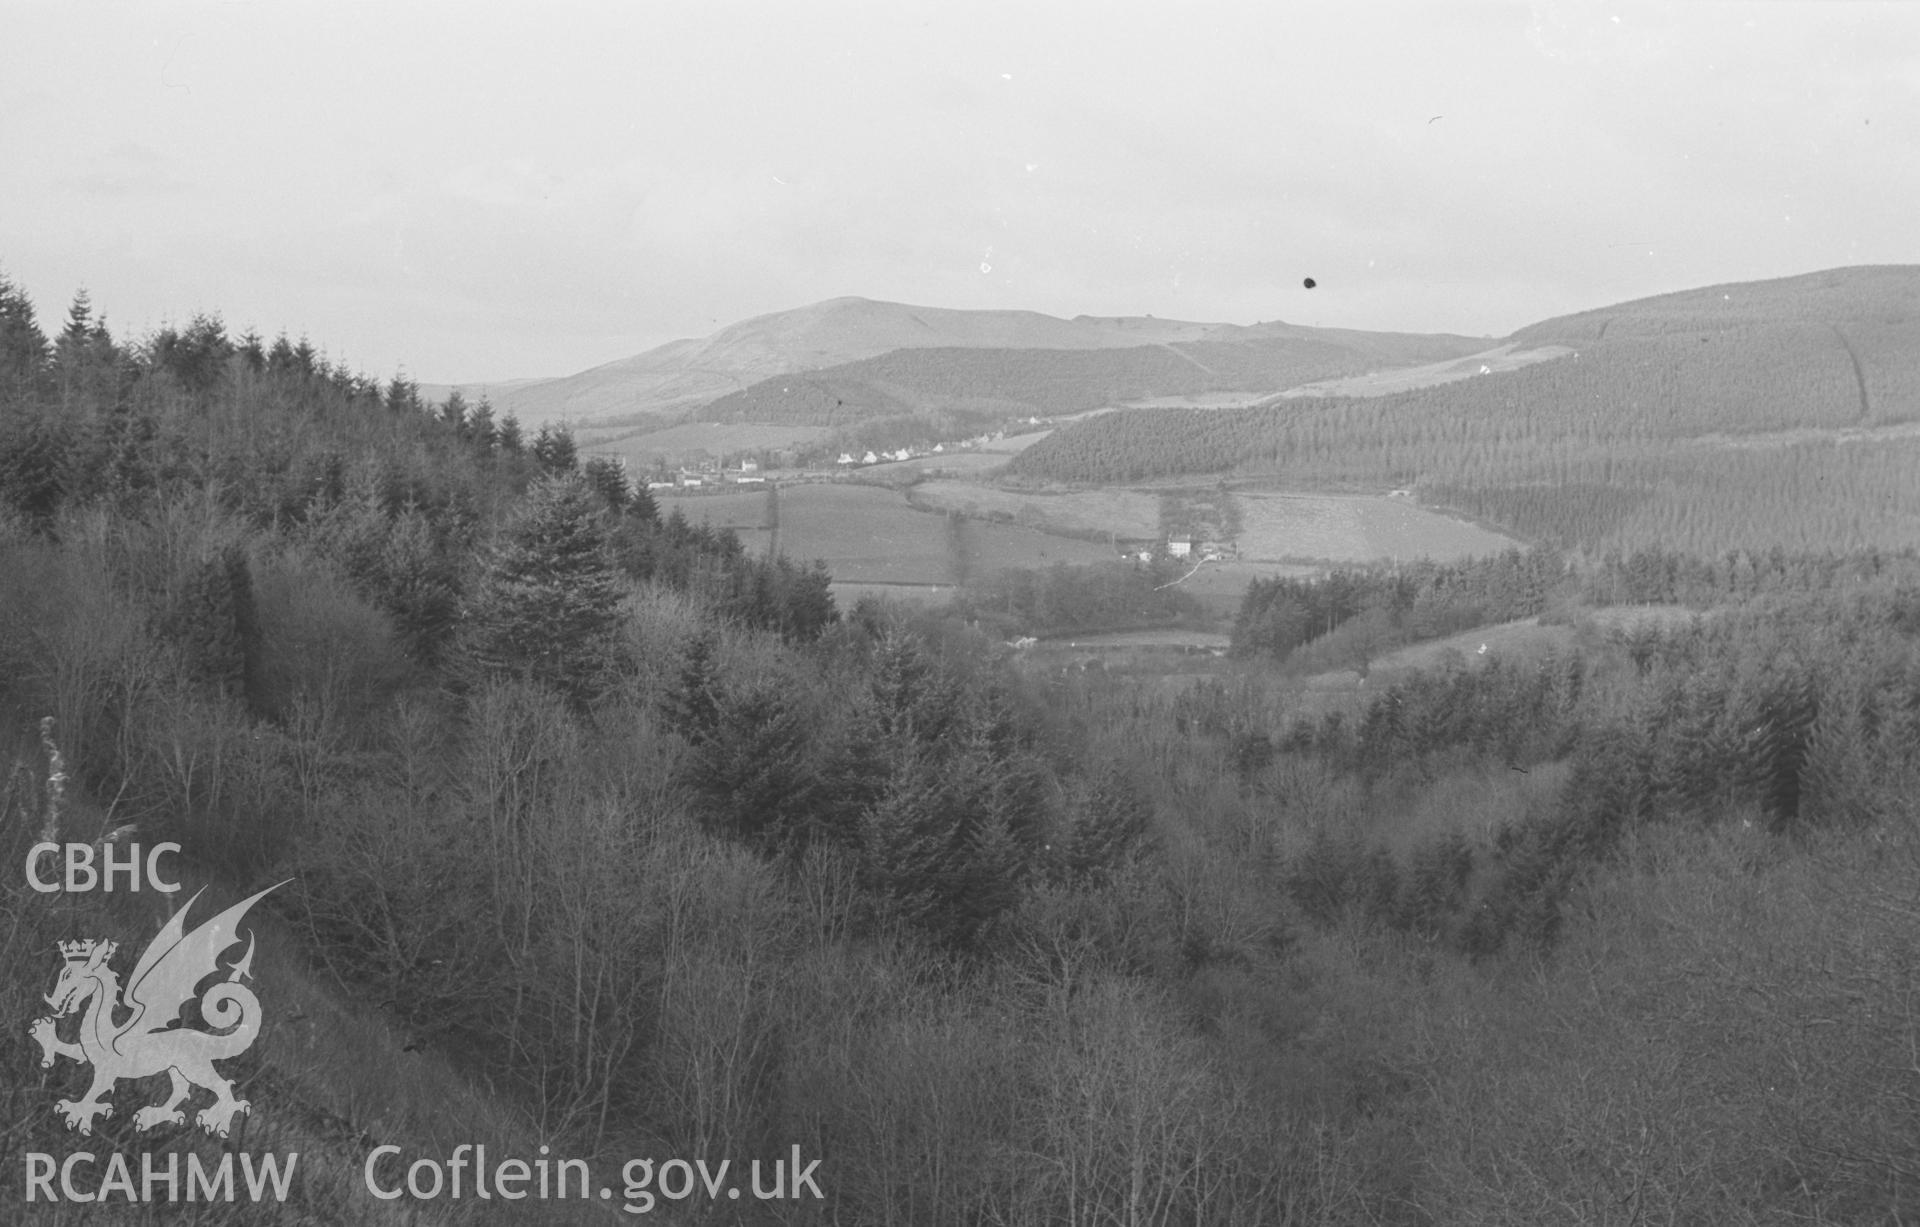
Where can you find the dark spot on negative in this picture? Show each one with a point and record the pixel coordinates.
(1309, 283)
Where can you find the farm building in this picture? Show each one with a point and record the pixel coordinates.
(1179, 547)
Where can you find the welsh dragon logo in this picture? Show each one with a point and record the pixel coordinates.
(151, 1037)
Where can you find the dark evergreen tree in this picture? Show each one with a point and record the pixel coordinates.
(280, 360)
(419, 585)
(509, 434)
(752, 763)
(252, 354)
(38, 460)
(1106, 821)
(307, 360)
(545, 609)
(608, 477)
(693, 705)
(402, 395)
(641, 505)
(23, 347)
(554, 449)
(1778, 745)
(453, 411)
(481, 428)
(213, 622)
(196, 357)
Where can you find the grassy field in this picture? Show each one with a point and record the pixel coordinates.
(975, 464)
(1125, 513)
(1169, 637)
(745, 510)
(744, 513)
(872, 535)
(994, 547)
(1354, 528)
(640, 451)
(865, 534)
(846, 595)
(877, 535)
(1015, 444)
(1219, 586)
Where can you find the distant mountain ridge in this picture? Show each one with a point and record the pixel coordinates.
(680, 375)
(864, 358)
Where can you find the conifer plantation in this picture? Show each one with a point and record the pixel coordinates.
(1706, 421)
(606, 834)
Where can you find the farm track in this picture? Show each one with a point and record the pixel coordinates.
(1179, 353)
(1859, 376)
(1802, 435)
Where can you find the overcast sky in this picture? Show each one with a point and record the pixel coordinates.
(481, 191)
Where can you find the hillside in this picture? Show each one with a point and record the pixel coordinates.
(929, 394)
(1021, 381)
(1880, 295)
(1635, 436)
(602, 834)
(682, 374)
